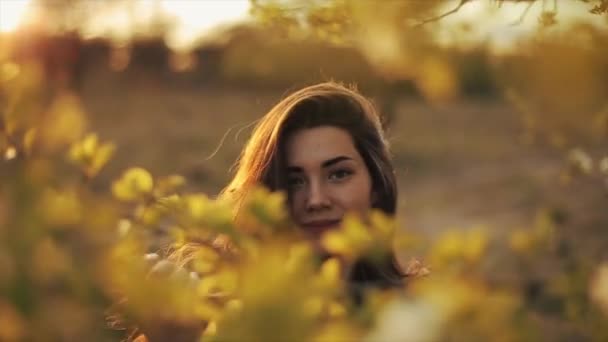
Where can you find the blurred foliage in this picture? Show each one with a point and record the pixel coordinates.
(73, 257)
(79, 262)
(557, 78)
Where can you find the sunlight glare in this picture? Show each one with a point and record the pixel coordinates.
(12, 14)
(195, 18)
(501, 27)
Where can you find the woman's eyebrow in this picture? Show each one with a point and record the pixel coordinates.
(325, 164)
(335, 160)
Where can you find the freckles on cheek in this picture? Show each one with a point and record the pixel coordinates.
(358, 202)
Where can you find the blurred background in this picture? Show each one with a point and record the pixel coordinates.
(496, 110)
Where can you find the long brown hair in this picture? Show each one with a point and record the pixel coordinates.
(262, 161)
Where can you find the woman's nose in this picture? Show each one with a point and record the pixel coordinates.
(317, 197)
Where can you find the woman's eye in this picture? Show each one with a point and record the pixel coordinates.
(340, 174)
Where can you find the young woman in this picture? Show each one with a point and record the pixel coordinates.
(324, 147)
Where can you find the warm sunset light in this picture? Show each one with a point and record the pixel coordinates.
(188, 20)
(191, 20)
(12, 13)
(303, 170)
(502, 26)
(195, 18)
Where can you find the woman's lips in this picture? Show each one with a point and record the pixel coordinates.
(320, 226)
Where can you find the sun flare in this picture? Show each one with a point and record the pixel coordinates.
(12, 14)
(198, 17)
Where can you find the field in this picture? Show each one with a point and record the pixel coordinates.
(459, 165)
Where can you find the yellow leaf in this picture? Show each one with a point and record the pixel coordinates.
(168, 185)
(90, 155)
(336, 309)
(298, 256)
(313, 306)
(150, 215)
(89, 144)
(211, 329)
(340, 331)
(205, 259)
(381, 222)
(449, 247)
(134, 184)
(222, 282)
(234, 305)
(101, 157)
(331, 272)
(336, 242)
(355, 231)
(197, 206)
(266, 209)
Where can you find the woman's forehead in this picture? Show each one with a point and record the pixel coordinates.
(313, 146)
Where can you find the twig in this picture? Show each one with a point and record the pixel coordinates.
(436, 18)
(523, 15)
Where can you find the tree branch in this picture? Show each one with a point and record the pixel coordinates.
(439, 17)
(523, 15)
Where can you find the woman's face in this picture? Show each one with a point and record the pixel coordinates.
(327, 178)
